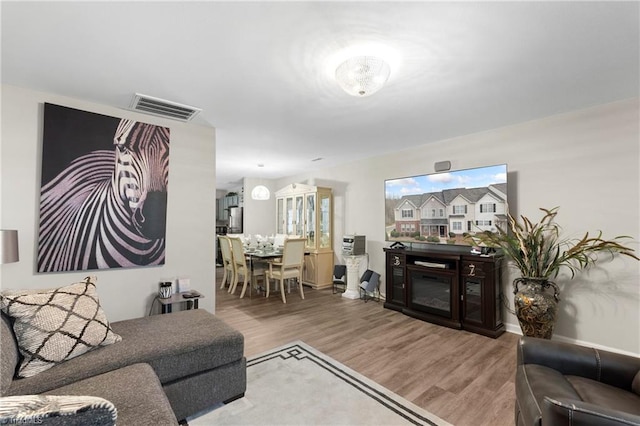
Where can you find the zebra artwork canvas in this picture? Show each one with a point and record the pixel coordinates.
(103, 199)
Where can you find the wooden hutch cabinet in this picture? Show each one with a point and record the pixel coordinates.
(446, 287)
(306, 211)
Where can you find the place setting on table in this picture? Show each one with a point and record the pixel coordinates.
(263, 253)
(260, 250)
(258, 247)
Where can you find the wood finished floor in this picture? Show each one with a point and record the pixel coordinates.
(464, 378)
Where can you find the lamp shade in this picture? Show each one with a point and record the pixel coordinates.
(8, 246)
(260, 192)
(362, 75)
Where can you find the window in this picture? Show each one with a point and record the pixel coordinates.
(456, 226)
(483, 223)
(459, 209)
(488, 208)
(441, 212)
(433, 212)
(408, 227)
(407, 213)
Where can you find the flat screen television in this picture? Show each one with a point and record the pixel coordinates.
(445, 207)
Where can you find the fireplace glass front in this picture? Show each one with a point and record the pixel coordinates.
(431, 292)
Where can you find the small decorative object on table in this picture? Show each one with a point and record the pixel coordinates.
(184, 285)
(165, 290)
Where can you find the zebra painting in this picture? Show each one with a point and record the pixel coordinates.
(105, 208)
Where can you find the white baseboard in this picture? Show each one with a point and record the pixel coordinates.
(515, 329)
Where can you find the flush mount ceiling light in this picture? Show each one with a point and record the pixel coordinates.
(362, 75)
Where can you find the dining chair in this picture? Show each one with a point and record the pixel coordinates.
(290, 266)
(241, 268)
(227, 261)
(279, 239)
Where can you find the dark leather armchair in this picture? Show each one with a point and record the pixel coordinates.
(564, 384)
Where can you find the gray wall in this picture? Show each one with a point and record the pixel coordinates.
(124, 293)
(259, 215)
(585, 161)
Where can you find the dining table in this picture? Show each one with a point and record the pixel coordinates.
(260, 255)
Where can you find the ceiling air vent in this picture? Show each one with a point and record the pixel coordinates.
(163, 108)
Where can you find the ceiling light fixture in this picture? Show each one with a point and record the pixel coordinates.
(362, 75)
(260, 192)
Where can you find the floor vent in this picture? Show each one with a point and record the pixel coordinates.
(163, 108)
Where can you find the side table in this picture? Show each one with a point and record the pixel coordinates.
(192, 302)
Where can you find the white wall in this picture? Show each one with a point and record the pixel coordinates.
(259, 215)
(124, 293)
(585, 161)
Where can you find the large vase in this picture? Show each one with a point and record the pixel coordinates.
(536, 302)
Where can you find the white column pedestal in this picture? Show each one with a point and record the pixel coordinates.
(353, 276)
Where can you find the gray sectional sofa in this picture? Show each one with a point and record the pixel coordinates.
(165, 369)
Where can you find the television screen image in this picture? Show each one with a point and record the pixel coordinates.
(446, 207)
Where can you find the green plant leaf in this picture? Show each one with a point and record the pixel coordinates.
(538, 251)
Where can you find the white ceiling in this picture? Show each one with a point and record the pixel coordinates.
(263, 71)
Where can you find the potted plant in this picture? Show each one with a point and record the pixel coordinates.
(539, 252)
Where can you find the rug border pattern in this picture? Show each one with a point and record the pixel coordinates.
(299, 350)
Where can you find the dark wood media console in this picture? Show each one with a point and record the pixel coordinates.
(448, 287)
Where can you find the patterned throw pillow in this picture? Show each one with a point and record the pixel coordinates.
(58, 410)
(53, 326)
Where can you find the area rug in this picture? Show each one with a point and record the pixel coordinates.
(297, 385)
